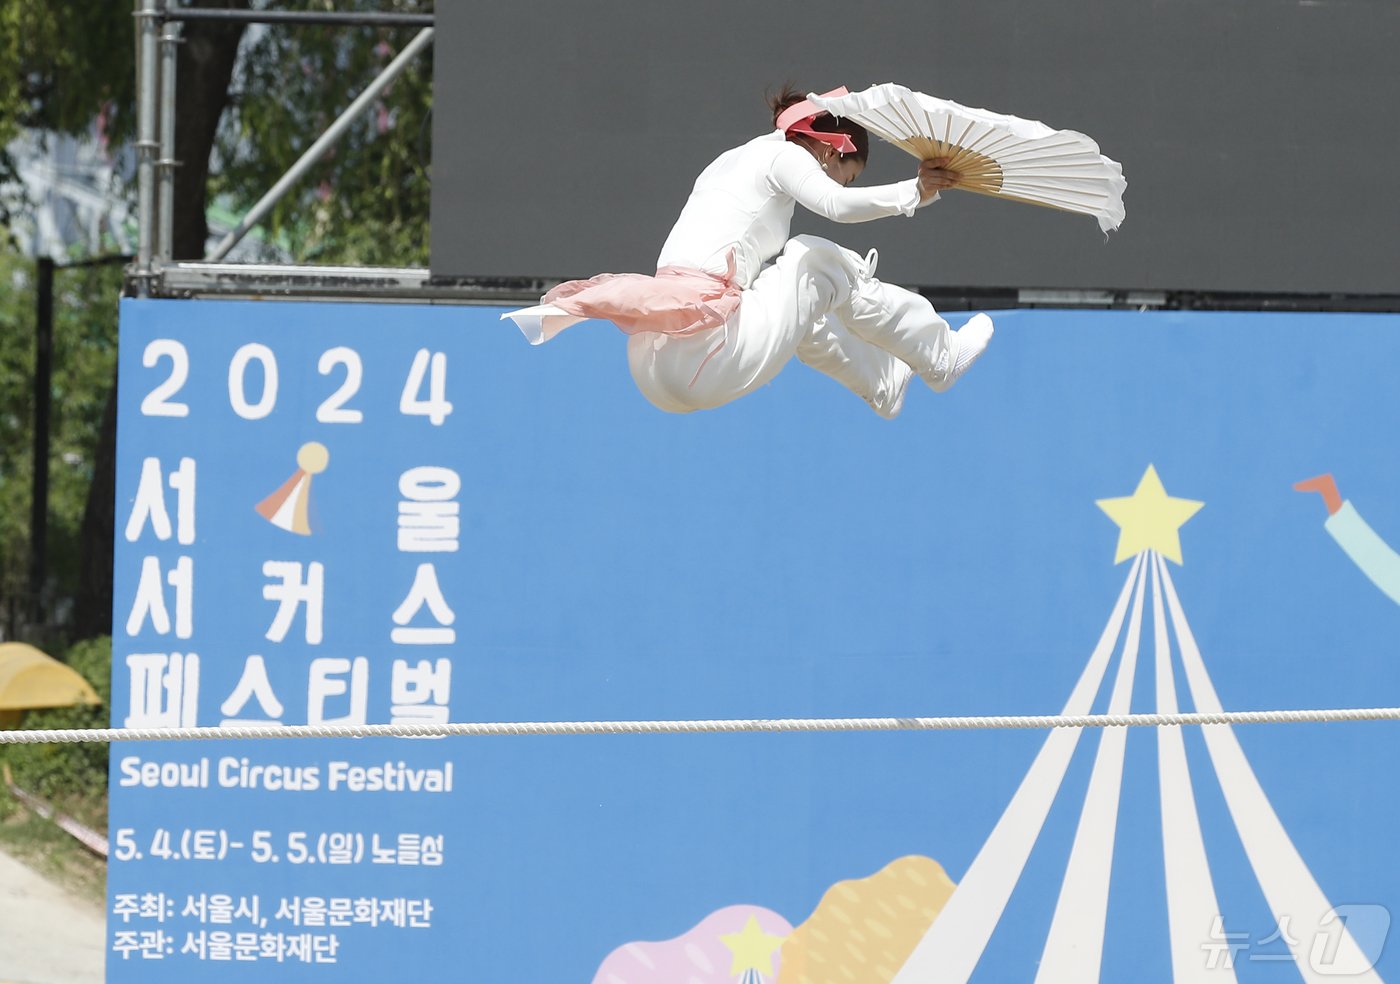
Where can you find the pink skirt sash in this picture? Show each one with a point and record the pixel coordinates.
(676, 301)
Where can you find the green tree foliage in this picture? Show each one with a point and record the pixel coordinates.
(66, 64)
(62, 64)
(64, 60)
(366, 202)
(84, 359)
(16, 436)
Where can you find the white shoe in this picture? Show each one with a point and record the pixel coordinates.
(890, 398)
(965, 346)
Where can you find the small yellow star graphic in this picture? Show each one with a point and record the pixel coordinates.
(1149, 519)
(752, 948)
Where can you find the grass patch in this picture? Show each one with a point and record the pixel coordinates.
(41, 845)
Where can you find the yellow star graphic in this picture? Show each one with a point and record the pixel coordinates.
(752, 948)
(1149, 519)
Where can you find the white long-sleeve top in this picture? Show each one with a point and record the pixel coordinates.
(745, 199)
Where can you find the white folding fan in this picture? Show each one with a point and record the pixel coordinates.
(1002, 156)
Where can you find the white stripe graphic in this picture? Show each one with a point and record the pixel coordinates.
(1074, 948)
(953, 945)
(1322, 948)
(1193, 911)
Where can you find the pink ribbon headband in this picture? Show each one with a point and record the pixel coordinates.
(798, 118)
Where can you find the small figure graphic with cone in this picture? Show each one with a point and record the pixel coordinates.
(289, 507)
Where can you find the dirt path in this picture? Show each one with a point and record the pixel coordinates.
(46, 935)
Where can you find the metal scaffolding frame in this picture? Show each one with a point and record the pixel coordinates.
(323, 143)
(154, 273)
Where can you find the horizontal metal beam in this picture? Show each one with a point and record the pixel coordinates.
(304, 17)
(352, 283)
(339, 283)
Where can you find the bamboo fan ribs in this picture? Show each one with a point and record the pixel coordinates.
(1002, 156)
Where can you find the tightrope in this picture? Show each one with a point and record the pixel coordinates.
(722, 726)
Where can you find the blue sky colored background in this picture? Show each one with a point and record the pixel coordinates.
(788, 555)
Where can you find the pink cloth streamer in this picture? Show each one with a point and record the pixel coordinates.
(798, 117)
(677, 301)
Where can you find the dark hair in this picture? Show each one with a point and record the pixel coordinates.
(791, 95)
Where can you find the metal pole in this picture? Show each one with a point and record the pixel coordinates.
(148, 13)
(322, 144)
(43, 400)
(309, 17)
(166, 164)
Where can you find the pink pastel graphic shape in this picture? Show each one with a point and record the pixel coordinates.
(699, 956)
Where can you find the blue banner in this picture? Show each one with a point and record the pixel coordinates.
(339, 513)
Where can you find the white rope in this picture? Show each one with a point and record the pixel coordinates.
(724, 726)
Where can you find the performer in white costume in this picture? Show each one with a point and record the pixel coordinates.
(734, 298)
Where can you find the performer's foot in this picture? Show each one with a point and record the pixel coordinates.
(889, 397)
(964, 347)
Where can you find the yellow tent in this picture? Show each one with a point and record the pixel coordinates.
(30, 679)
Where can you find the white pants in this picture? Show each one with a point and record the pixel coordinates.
(816, 302)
